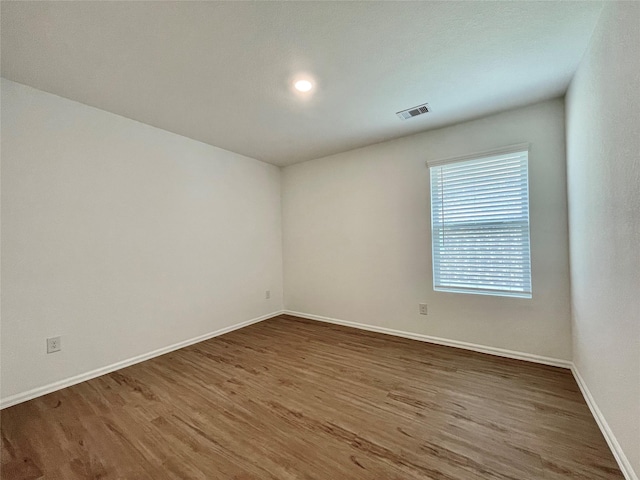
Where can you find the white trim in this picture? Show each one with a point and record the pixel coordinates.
(501, 352)
(67, 382)
(521, 147)
(616, 449)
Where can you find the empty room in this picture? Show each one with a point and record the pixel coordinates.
(320, 240)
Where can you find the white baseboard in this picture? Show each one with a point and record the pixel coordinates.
(621, 458)
(501, 352)
(52, 387)
(618, 453)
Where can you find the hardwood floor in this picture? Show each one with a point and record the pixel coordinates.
(296, 399)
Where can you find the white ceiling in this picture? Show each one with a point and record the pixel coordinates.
(220, 72)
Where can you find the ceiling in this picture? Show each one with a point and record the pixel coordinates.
(221, 72)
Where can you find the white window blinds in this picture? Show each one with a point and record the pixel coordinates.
(480, 224)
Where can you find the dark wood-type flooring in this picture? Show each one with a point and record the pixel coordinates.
(296, 399)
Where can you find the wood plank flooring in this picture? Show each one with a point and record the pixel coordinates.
(295, 399)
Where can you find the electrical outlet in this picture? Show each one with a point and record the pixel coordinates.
(267, 294)
(423, 308)
(54, 344)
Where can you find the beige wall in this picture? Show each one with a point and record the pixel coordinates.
(357, 247)
(123, 238)
(603, 156)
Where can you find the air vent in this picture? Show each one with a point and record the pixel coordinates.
(414, 111)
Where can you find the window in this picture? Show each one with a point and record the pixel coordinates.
(480, 223)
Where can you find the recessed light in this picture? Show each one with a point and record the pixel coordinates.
(303, 85)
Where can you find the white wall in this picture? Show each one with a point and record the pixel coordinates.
(357, 246)
(123, 238)
(603, 156)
